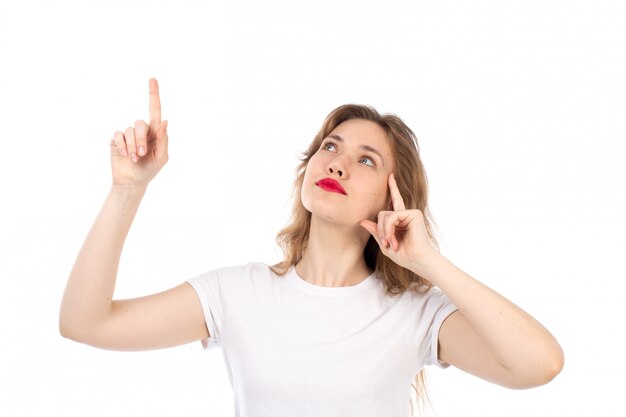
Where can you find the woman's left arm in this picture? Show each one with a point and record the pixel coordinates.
(488, 336)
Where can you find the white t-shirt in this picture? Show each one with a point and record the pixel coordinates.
(294, 349)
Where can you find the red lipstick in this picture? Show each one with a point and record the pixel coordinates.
(329, 184)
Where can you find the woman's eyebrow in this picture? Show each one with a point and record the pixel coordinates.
(364, 147)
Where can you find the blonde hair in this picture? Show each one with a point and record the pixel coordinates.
(412, 183)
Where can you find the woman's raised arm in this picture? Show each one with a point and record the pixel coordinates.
(88, 313)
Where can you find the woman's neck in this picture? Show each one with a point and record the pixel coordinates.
(334, 255)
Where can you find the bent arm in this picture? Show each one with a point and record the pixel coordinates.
(489, 336)
(88, 313)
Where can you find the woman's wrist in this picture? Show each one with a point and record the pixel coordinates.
(427, 265)
(129, 189)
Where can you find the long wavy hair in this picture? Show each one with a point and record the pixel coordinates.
(412, 183)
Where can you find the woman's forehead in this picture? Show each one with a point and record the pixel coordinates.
(365, 131)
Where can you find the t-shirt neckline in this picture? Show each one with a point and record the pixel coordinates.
(295, 279)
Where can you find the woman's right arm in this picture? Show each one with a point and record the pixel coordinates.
(88, 312)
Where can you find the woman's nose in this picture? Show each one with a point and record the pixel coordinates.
(337, 166)
(333, 170)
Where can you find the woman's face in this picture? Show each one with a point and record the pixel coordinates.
(357, 156)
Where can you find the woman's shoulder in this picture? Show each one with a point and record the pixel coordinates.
(250, 269)
(428, 294)
(432, 301)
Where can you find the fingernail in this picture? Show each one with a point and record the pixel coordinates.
(142, 150)
(124, 153)
(134, 156)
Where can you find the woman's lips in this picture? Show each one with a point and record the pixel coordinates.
(329, 184)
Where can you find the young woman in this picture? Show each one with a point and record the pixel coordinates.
(361, 303)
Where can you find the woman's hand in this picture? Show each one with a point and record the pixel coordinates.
(138, 153)
(488, 335)
(401, 233)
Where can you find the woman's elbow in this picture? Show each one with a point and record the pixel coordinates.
(68, 331)
(75, 330)
(541, 374)
(553, 368)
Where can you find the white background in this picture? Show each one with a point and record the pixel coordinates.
(519, 108)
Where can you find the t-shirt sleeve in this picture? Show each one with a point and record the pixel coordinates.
(435, 308)
(214, 289)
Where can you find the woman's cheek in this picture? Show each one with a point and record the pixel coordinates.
(375, 204)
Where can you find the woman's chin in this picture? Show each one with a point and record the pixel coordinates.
(334, 219)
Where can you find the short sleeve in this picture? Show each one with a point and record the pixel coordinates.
(435, 308)
(207, 287)
(216, 290)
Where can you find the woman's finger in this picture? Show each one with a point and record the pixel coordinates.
(129, 135)
(396, 198)
(161, 144)
(372, 228)
(387, 227)
(141, 137)
(120, 143)
(155, 104)
(392, 222)
(381, 227)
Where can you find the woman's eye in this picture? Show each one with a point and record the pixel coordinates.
(365, 160)
(328, 145)
(369, 161)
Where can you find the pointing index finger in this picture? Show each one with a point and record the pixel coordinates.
(155, 103)
(396, 198)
